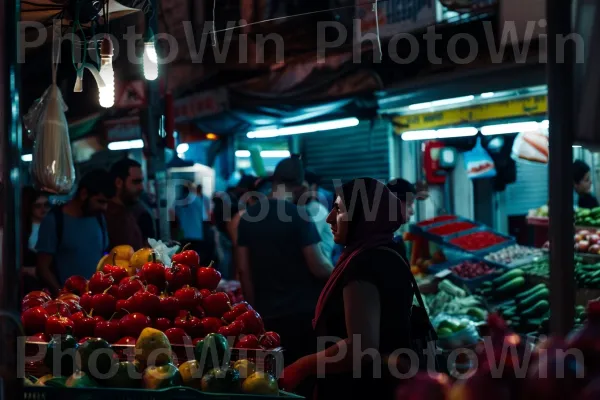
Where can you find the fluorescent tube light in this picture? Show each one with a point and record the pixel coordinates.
(126, 145)
(242, 153)
(487, 95)
(308, 128)
(440, 133)
(27, 157)
(518, 127)
(439, 103)
(274, 154)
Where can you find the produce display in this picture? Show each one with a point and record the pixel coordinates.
(454, 301)
(477, 241)
(587, 217)
(152, 366)
(156, 307)
(527, 309)
(471, 269)
(514, 254)
(587, 241)
(541, 212)
(503, 287)
(452, 228)
(437, 220)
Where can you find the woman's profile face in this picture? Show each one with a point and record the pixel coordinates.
(585, 185)
(338, 219)
(40, 208)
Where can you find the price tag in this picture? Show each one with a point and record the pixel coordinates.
(443, 274)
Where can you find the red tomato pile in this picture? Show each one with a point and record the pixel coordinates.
(441, 218)
(180, 300)
(453, 227)
(477, 241)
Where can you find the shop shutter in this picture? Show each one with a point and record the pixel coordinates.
(529, 191)
(349, 153)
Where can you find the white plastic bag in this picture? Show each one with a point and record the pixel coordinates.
(163, 252)
(52, 166)
(531, 147)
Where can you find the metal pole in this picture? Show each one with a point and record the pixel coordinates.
(156, 152)
(10, 188)
(561, 116)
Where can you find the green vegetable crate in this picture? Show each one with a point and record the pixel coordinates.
(174, 393)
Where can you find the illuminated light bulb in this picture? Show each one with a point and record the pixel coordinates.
(150, 61)
(107, 93)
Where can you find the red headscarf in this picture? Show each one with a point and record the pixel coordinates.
(374, 215)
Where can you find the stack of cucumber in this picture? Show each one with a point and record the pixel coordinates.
(527, 310)
(587, 275)
(504, 286)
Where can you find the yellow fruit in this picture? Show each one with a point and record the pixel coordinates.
(152, 348)
(123, 252)
(245, 368)
(191, 374)
(141, 257)
(43, 379)
(260, 383)
(103, 261)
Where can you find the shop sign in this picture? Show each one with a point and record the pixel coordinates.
(201, 105)
(524, 107)
(396, 16)
(123, 129)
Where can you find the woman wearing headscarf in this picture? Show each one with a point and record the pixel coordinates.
(366, 302)
(582, 186)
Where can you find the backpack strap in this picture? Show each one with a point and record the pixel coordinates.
(414, 283)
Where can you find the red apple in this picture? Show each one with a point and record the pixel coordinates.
(32, 302)
(237, 310)
(234, 329)
(133, 324)
(73, 305)
(187, 257)
(76, 284)
(211, 325)
(198, 311)
(270, 340)
(118, 273)
(152, 289)
(190, 324)
(153, 273)
(205, 293)
(162, 324)
(145, 303)
(127, 340)
(108, 330)
(129, 286)
(104, 304)
(57, 325)
(34, 320)
(169, 306)
(83, 324)
(38, 338)
(178, 276)
(247, 342)
(68, 296)
(122, 308)
(216, 304)
(594, 239)
(177, 336)
(594, 249)
(208, 278)
(253, 323)
(86, 301)
(189, 297)
(38, 293)
(57, 307)
(582, 246)
(99, 282)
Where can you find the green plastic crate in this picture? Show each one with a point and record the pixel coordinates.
(175, 393)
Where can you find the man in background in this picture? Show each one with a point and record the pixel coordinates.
(281, 267)
(407, 193)
(123, 228)
(73, 237)
(191, 212)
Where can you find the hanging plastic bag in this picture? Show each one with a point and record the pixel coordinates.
(52, 166)
(478, 163)
(531, 147)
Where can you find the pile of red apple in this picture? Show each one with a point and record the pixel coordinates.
(587, 241)
(179, 300)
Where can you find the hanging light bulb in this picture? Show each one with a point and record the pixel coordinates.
(107, 93)
(150, 62)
